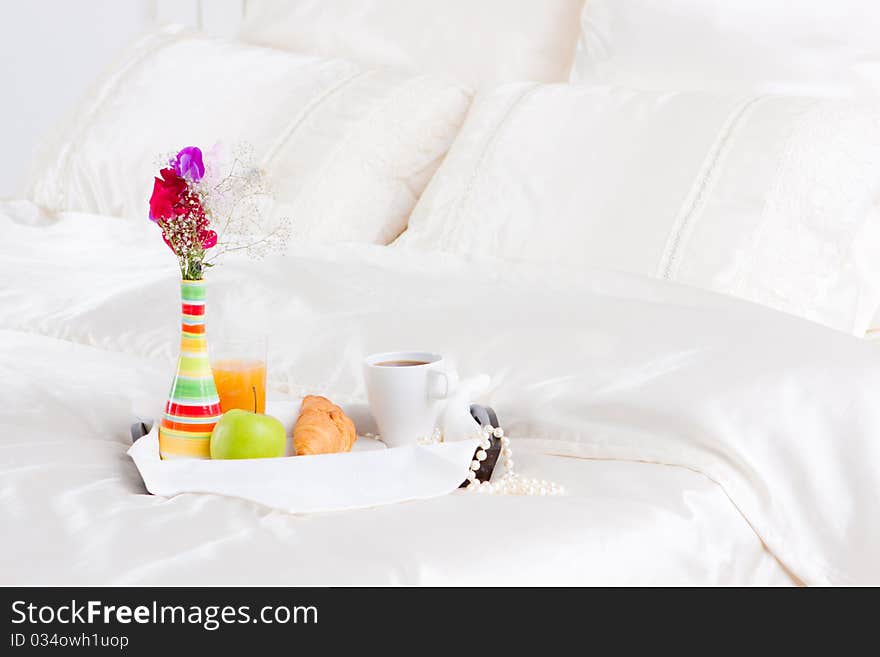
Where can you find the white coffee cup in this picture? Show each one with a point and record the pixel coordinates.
(406, 391)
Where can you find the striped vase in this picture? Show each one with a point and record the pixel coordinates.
(193, 406)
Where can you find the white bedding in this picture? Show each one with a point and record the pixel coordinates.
(715, 427)
(77, 512)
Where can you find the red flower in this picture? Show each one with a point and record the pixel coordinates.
(168, 192)
(209, 239)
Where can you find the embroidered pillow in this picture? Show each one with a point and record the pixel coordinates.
(348, 150)
(768, 198)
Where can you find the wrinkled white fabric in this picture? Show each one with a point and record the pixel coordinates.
(347, 150)
(778, 412)
(767, 198)
(477, 43)
(75, 512)
(808, 47)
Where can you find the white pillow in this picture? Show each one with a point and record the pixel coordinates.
(479, 42)
(767, 198)
(348, 150)
(810, 47)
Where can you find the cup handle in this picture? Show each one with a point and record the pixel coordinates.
(441, 383)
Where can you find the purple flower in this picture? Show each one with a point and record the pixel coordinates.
(188, 164)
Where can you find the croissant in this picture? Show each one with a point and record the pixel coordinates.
(322, 428)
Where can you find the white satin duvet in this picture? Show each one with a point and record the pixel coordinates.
(701, 440)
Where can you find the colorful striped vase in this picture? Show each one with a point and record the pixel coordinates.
(193, 406)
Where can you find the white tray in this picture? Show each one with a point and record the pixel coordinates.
(370, 475)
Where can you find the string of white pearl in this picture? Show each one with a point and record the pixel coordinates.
(510, 483)
(435, 437)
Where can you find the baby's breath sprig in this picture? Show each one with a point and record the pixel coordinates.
(199, 208)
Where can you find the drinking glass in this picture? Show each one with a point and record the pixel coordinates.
(239, 366)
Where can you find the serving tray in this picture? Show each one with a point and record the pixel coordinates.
(370, 475)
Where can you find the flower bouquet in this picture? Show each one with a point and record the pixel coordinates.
(200, 210)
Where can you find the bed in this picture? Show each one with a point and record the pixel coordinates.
(682, 446)
(707, 404)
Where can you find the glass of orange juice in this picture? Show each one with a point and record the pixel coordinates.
(239, 366)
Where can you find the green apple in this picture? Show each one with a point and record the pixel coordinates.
(241, 434)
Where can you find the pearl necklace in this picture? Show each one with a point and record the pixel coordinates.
(510, 483)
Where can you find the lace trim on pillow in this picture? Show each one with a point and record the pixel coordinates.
(310, 108)
(457, 225)
(819, 203)
(361, 138)
(693, 203)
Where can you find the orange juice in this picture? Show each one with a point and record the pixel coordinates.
(241, 384)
